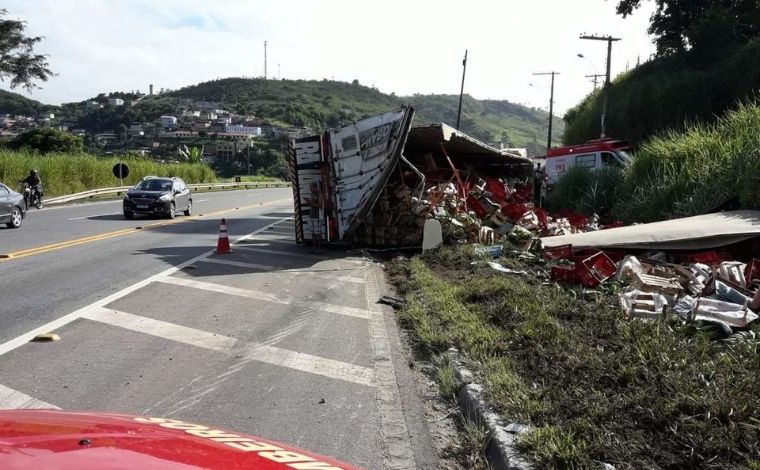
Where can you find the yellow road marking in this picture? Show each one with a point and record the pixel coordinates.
(104, 236)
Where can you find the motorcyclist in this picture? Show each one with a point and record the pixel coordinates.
(35, 183)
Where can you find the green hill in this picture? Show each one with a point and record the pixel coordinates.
(13, 103)
(669, 92)
(317, 104)
(324, 104)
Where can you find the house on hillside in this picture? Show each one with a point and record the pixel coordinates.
(168, 121)
(240, 129)
(116, 101)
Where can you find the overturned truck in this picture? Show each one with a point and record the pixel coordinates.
(382, 179)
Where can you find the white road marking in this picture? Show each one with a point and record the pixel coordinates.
(254, 351)
(95, 215)
(11, 399)
(58, 323)
(162, 329)
(313, 364)
(202, 200)
(276, 269)
(265, 296)
(299, 254)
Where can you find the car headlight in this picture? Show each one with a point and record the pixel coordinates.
(166, 197)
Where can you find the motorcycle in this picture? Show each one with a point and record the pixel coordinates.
(32, 196)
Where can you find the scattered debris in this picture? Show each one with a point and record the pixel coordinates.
(46, 337)
(394, 302)
(500, 268)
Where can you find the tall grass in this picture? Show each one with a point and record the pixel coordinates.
(70, 173)
(689, 173)
(675, 174)
(666, 93)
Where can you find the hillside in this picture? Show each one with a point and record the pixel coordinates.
(13, 103)
(316, 104)
(324, 104)
(669, 92)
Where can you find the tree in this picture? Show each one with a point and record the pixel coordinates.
(121, 132)
(47, 140)
(18, 62)
(700, 25)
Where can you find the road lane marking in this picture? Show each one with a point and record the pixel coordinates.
(312, 364)
(265, 296)
(298, 254)
(201, 200)
(104, 236)
(66, 319)
(95, 215)
(277, 269)
(253, 351)
(11, 399)
(162, 329)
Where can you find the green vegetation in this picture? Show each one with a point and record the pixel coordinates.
(586, 192)
(65, 173)
(19, 64)
(594, 386)
(668, 93)
(46, 140)
(15, 104)
(325, 104)
(676, 174)
(707, 62)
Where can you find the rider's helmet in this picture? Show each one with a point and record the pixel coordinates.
(33, 172)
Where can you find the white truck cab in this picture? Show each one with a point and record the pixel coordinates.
(594, 154)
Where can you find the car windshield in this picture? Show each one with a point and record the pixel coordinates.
(155, 185)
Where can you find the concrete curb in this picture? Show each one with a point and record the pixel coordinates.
(500, 448)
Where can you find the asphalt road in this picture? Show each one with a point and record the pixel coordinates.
(268, 340)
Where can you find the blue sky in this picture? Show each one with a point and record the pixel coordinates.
(398, 46)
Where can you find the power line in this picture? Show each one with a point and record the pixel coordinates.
(606, 98)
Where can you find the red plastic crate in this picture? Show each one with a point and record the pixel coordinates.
(523, 193)
(577, 220)
(496, 188)
(595, 269)
(725, 256)
(563, 273)
(709, 258)
(614, 224)
(559, 252)
(543, 217)
(514, 211)
(476, 207)
(752, 271)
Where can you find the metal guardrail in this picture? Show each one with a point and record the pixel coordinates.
(123, 189)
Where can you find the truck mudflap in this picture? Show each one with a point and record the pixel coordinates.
(362, 158)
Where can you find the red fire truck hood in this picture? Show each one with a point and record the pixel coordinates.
(60, 440)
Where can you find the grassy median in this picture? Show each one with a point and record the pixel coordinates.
(594, 386)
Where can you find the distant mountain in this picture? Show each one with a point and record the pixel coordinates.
(13, 103)
(318, 104)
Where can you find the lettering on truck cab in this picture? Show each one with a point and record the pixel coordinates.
(245, 444)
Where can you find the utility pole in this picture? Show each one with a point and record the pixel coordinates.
(606, 97)
(265, 60)
(278, 72)
(461, 91)
(551, 108)
(595, 78)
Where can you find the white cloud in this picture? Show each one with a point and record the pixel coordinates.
(399, 46)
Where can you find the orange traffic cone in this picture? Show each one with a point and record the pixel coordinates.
(223, 244)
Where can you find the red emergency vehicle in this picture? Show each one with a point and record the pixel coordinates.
(594, 154)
